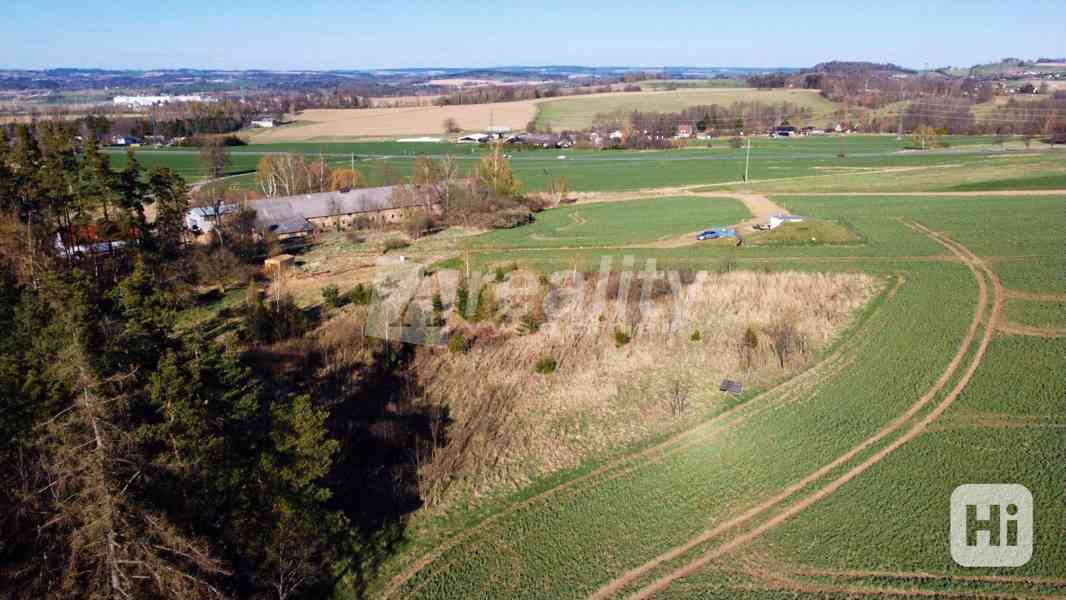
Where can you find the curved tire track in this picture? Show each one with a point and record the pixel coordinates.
(783, 394)
(979, 270)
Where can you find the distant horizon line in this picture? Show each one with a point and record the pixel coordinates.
(454, 68)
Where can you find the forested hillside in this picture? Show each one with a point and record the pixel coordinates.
(140, 459)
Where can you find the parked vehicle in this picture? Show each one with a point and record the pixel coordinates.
(715, 234)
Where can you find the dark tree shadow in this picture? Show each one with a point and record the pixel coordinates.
(374, 481)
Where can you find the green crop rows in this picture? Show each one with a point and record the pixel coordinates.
(971, 159)
(567, 546)
(1005, 426)
(618, 223)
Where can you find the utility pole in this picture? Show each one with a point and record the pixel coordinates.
(747, 160)
(353, 162)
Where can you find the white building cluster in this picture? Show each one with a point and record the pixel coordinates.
(149, 101)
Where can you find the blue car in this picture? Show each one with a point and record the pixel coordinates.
(714, 234)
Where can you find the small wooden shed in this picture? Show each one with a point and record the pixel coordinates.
(276, 265)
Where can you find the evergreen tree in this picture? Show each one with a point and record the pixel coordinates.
(168, 191)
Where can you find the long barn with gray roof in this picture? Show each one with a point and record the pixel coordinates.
(297, 215)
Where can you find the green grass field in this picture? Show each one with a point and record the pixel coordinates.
(1037, 313)
(620, 511)
(1004, 425)
(572, 532)
(579, 112)
(682, 84)
(617, 223)
(870, 163)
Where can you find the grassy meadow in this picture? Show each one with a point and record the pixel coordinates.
(925, 356)
(617, 223)
(578, 112)
(869, 163)
(556, 540)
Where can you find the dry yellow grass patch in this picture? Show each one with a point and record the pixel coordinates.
(512, 424)
(384, 122)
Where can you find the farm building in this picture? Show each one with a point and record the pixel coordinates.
(684, 129)
(148, 101)
(297, 216)
(544, 140)
(280, 264)
(202, 219)
(94, 238)
(779, 220)
(267, 122)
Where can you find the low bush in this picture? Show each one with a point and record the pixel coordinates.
(269, 322)
(458, 343)
(331, 295)
(394, 243)
(509, 219)
(621, 338)
(546, 365)
(462, 299)
(529, 324)
(361, 294)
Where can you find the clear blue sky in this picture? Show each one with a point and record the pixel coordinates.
(354, 34)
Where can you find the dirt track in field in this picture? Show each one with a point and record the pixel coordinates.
(760, 206)
(783, 394)
(977, 267)
(1037, 296)
(686, 438)
(1010, 328)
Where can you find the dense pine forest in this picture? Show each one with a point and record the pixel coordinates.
(141, 459)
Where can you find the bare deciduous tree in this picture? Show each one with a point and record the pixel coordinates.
(677, 397)
(213, 157)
